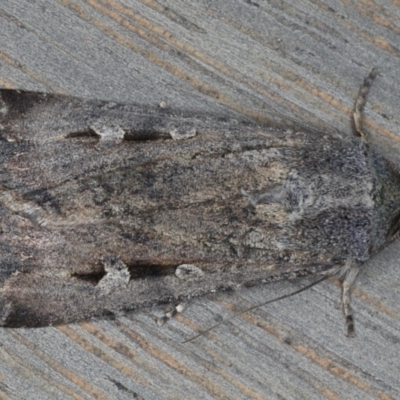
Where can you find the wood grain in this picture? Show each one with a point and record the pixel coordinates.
(293, 63)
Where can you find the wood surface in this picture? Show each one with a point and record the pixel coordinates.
(290, 63)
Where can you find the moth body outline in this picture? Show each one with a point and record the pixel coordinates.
(102, 204)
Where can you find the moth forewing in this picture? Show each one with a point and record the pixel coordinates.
(105, 210)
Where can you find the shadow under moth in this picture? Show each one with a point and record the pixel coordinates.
(107, 208)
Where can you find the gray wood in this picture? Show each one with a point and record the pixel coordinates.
(268, 60)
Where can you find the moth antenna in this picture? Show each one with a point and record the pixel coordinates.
(360, 102)
(258, 306)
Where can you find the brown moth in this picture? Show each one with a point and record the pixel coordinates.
(107, 208)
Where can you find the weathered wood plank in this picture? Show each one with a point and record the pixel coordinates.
(305, 60)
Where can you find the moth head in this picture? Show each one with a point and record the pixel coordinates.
(393, 231)
(387, 202)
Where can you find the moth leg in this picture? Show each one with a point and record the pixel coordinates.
(171, 313)
(348, 274)
(183, 272)
(360, 103)
(346, 292)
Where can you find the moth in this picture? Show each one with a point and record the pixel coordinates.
(107, 208)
